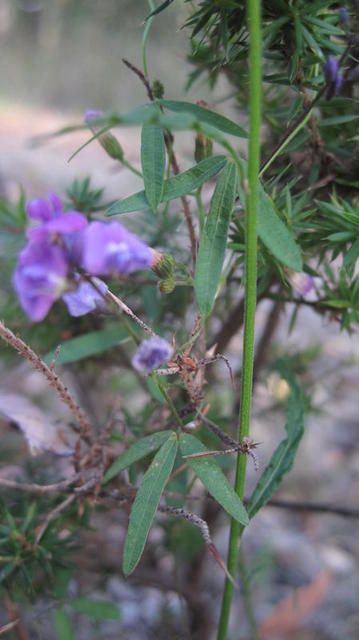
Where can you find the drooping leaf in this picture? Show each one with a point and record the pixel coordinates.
(138, 450)
(213, 240)
(275, 235)
(146, 503)
(162, 6)
(153, 157)
(205, 115)
(174, 187)
(213, 478)
(96, 609)
(63, 625)
(283, 457)
(88, 345)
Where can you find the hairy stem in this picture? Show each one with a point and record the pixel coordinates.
(254, 25)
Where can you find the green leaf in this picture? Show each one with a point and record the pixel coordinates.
(174, 187)
(275, 235)
(88, 345)
(283, 457)
(213, 478)
(146, 503)
(136, 451)
(63, 625)
(205, 115)
(96, 609)
(162, 6)
(213, 240)
(153, 157)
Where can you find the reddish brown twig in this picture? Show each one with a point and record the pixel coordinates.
(53, 379)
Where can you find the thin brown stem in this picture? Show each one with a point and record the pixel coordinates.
(53, 379)
(40, 488)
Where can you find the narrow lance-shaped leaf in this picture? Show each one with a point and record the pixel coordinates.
(174, 187)
(63, 625)
(213, 240)
(146, 503)
(135, 452)
(283, 457)
(213, 478)
(274, 233)
(205, 115)
(88, 345)
(153, 157)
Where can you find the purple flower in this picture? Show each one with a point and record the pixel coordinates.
(39, 209)
(109, 249)
(151, 353)
(332, 76)
(302, 283)
(92, 114)
(40, 277)
(344, 16)
(331, 69)
(54, 220)
(85, 298)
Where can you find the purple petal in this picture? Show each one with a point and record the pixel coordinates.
(331, 69)
(67, 223)
(39, 209)
(302, 283)
(40, 277)
(85, 298)
(55, 202)
(151, 353)
(92, 114)
(111, 249)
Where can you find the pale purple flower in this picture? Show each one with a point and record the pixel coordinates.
(344, 17)
(332, 76)
(331, 69)
(110, 249)
(40, 209)
(302, 283)
(54, 221)
(40, 277)
(85, 298)
(151, 353)
(92, 114)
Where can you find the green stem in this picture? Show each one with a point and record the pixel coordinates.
(247, 596)
(255, 86)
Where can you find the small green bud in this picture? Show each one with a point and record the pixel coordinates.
(163, 265)
(167, 285)
(111, 146)
(158, 89)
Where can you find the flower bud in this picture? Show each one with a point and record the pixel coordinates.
(162, 264)
(167, 286)
(107, 140)
(344, 17)
(158, 89)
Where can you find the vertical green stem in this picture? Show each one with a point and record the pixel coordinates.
(254, 26)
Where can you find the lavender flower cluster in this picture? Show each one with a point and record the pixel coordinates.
(64, 244)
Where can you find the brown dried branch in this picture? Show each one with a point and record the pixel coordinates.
(40, 488)
(52, 515)
(53, 379)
